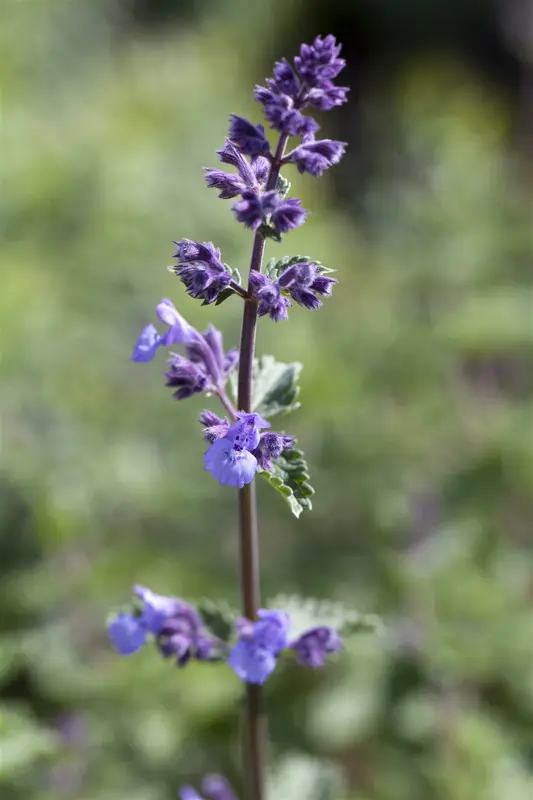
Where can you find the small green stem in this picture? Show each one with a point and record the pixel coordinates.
(255, 730)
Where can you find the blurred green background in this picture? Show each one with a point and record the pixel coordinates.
(417, 393)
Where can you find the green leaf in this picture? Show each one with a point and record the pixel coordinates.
(275, 386)
(299, 777)
(222, 297)
(218, 617)
(283, 186)
(268, 231)
(308, 612)
(290, 478)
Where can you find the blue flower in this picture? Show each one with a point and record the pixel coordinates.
(214, 787)
(249, 138)
(230, 459)
(315, 157)
(313, 646)
(156, 608)
(254, 656)
(285, 213)
(146, 345)
(200, 268)
(180, 332)
(127, 633)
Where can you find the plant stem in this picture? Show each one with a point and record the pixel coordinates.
(255, 729)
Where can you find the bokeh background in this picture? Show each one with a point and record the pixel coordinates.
(417, 392)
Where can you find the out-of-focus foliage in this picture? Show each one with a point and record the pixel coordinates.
(416, 417)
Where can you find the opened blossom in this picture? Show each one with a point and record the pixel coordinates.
(214, 787)
(254, 657)
(205, 367)
(175, 625)
(230, 459)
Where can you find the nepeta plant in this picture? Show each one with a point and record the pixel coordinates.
(241, 444)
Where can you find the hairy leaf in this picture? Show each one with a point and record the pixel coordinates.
(305, 778)
(290, 478)
(218, 617)
(275, 386)
(283, 186)
(308, 612)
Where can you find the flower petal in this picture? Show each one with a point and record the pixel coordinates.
(127, 634)
(146, 345)
(251, 663)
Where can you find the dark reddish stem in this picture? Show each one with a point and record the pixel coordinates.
(255, 729)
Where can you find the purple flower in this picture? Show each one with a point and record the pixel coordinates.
(313, 646)
(183, 636)
(200, 269)
(187, 377)
(177, 627)
(270, 299)
(308, 82)
(282, 114)
(288, 214)
(206, 366)
(156, 608)
(285, 80)
(249, 138)
(303, 282)
(228, 184)
(179, 332)
(317, 156)
(217, 788)
(320, 60)
(229, 459)
(215, 427)
(261, 169)
(327, 96)
(127, 634)
(253, 657)
(189, 793)
(146, 345)
(229, 154)
(249, 210)
(285, 214)
(271, 446)
(214, 787)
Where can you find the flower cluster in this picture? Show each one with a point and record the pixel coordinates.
(214, 787)
(302, 281)
(180, 633)
(254, 656)
(200, 269)
(308, 82)
(175, 625)
(239, 449)
(292, 88)
(206, 367)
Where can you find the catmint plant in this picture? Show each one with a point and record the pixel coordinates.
(241, 444)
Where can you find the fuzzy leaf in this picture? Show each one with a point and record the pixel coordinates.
(304, 778)
(283, 186)
(268, 231)
(290, 478)
(308, 612)
(219, 618)
(275, 386)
